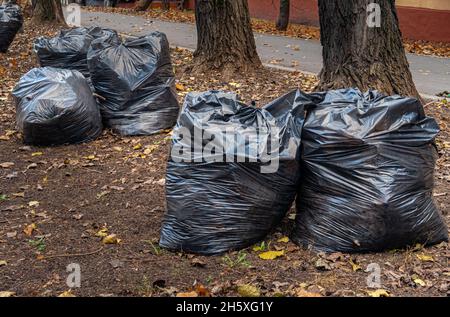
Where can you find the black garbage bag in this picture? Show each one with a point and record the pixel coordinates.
(135, 80)
(69, 48)
(55, 106)
(230, 197)
(11, 21)
(368, 163)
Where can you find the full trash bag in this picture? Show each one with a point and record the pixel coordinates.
(135, 81)
(11, 21)
(56, 106)
(368, 163)
(230, 197)
(69, 48)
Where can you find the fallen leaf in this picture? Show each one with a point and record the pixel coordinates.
(425, 258)
(196, 262)
(188, 294)
(180, 87)
(202, 291)
(102, 232)
(6, 164)
(283, 240)
(419, 282)
(103, 193)
(37, 154)
(378, 293)
(33, 203)
(29, 229)
(66, 294)
(11, 234)
(271, 255)
(161, 182)
(6, 294)
(322, 265)
(148, 150)
(3, 262)
(137, 146)
(355, 266)
(111, 239)
(248, 290)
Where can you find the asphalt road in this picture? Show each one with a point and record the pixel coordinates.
(431, 74)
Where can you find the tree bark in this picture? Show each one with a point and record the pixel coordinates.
(48, 10)
(356, 54)
(225, 37)
(143, 5)
(283, 17)
(165, 5)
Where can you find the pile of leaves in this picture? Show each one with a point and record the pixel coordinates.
(100, 205)
(420, 47)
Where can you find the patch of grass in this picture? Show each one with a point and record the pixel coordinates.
(239, 260)
(156, 249)
(3, 197)
(39, 244)
(145, 288)
(263, 246)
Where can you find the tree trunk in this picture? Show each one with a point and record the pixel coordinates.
(283, 18)
(225, 38)
(143, 5)
(48, 10)
(166, 5)
(360, 54)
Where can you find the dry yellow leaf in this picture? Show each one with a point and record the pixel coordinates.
(102, 232)
(111, 239)
(3, 262)
(180, 87)
(137, 146)
(29, 229)
(66, 294)
(355, 266)
(6, 294)
(425, 258)
(150, 149)
(283, 240)
(188, 294)
(271, 255)
(419, 282)
(379, 293)
(37, 154)
(248, 290)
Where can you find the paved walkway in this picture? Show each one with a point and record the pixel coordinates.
(431, 74)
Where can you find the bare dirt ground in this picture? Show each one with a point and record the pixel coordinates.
(55, 203)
